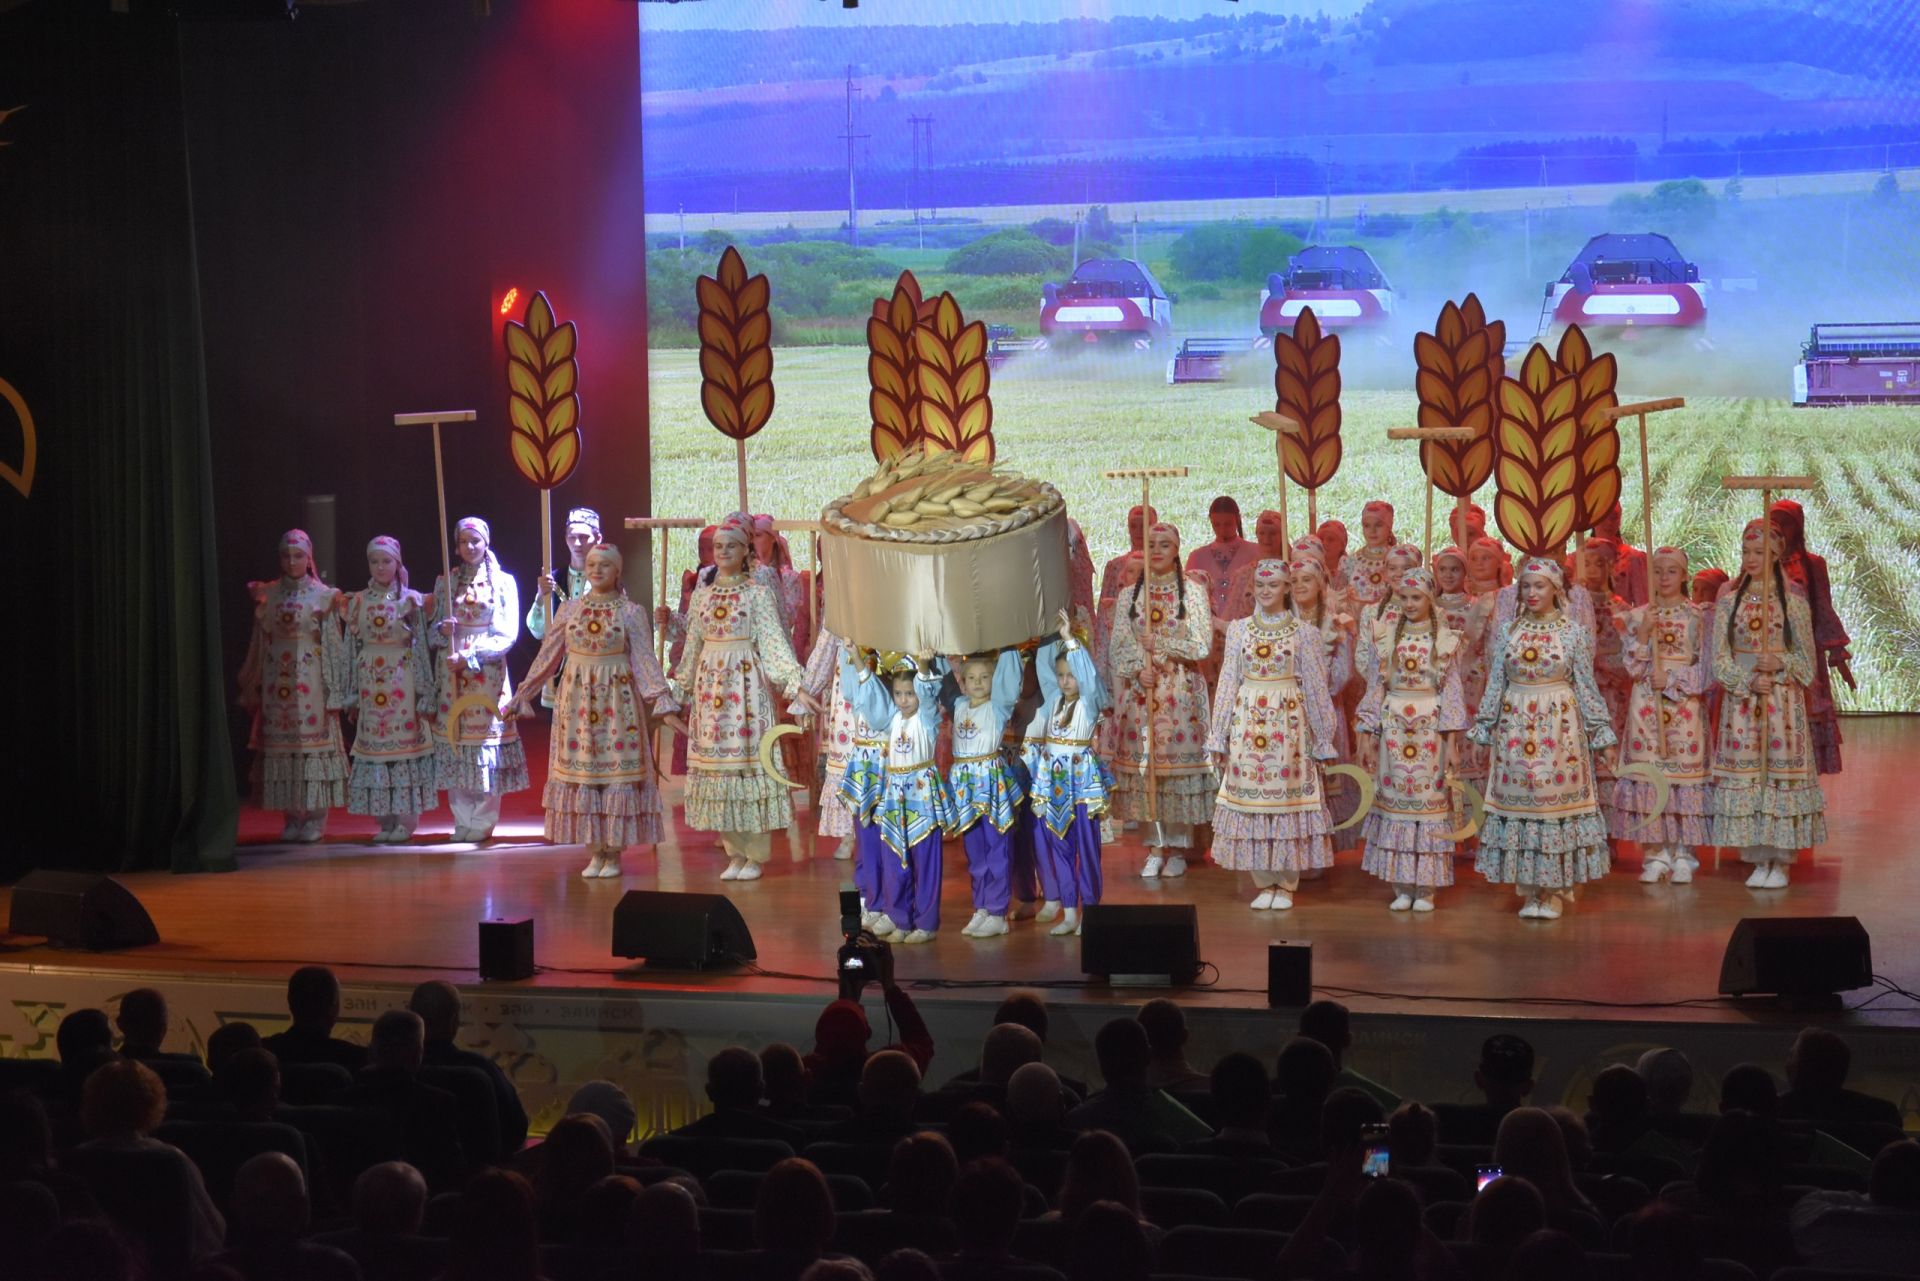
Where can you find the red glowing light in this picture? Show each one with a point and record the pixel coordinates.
(506, 303)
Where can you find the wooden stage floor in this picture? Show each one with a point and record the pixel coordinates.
(388, 915)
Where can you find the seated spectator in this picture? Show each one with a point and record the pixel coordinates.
(605, 1206)
(84, 1040)
(1506, 1212)
(1099, 1168)
(1669, 1077)
(249, 1084)
(1242, 1098)
(906, 1265)
(1144, 1118)
(1413, 1133)
(1617, 1119)
(1875, 1232)
(1573, 1133)
(89, 1250)
(976, 1131)
(1008, 1047)
(783, 1076)
(664, 1221)
(228, 1040)
(389, 1205)
(1665, 1244)
(1748, 1087)
(121, 1106)
(1109, 1244)
(27, 1155)
(1165, 1024)
(494, 1236)
(1340, 1139)
(29, 1212)
(1739, 1190)
(1817, 1068)
(1504, 1078)
(1381, 1216)
(270, 1216)
(427, 1118)
(1548, 1253)
(1531, 1147)
(1387, 1231)
(1037, 1108)
(888, 1095)
(793, 1217)
(1029, 1010)
(986, 1209)
(920, 1174)
(577, 1154)
(1329, 1023)
(837, 1270)
(142, 1021)
(438, 1005)
(1303, 1076)
(734, 1087)
(313, 1000)
(840, 1040)
(610, 1103)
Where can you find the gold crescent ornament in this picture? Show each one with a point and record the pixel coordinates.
(768, 741)
(1365, 782)
(1476, 809)
(1662, 791)
(461, 706)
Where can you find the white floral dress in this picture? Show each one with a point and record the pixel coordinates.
(1666, 727)
(386, 676)
(295, 646)
(1186, 784)
(484, 753)
(1790, 812)
(1413, 697)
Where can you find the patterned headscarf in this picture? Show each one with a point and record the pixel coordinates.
(608, 549)
(478, 526)
(1407, 551)
(586, 516)
(1547, 567)
(1311, 545)
(1418, 580)
(738, 526)
(1270, 570)
(301, 539)
(391, 546)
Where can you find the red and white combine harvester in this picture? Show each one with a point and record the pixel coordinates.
(1108, 302)
(1859, 364)
(1628, 288)
(1342, 283)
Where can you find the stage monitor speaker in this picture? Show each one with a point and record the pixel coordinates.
(681, 931)
(80, 909)
(506, 949)
(1289, 975)
(1141, 943)
(1796, 956)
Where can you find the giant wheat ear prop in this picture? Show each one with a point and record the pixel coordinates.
(543, 409)
(1538, 466)
(893, 401)
(1460, 370)
(955, 412)
(736, 355)
(1306, 384)
(1594, 401)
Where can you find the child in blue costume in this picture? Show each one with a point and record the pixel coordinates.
(1070, 782)
(987, 792)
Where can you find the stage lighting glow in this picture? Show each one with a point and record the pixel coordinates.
(506, 303)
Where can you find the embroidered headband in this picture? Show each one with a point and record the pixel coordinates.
(1406, 551)
(1453, 553)
(1380, 505)
(385, 543)
(1677, 553)
(297, 538)
(478, 526)
(1309, 566)
(608, 549)
(1416, 580)
(1166, 527)
(1311, 544)
(1271, 571)
(1546, 568)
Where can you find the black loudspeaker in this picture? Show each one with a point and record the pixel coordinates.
(1289, 975)
(1797, 956)
(506, 949)
(1141, 942)
(80, 909)
(681, 931)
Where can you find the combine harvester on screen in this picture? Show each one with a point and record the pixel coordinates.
(1859, 364)
(1628, 289)
(1342, 283)
(1111, 303)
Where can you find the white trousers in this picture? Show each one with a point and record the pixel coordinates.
(473, 811)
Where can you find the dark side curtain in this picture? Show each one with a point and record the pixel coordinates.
(115, 709)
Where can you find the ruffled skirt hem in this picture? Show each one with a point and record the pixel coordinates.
(1682, 822)
(1399, 834)
(303, 782)
(736, 803)
(1787, 815)
(490, 770)
(835, 818)
(1182, 798)
(383, 788)
(1399, 867)
(1553, 853)
(602, 814)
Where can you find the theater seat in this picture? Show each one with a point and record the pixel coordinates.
(703, 1157)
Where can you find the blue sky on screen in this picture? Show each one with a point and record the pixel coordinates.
(701, 15)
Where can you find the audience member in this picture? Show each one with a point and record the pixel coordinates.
(1142, 1117)
(1664, 1242)
(664, 1220)
(605, 1206)
(249, 1084)
(1387, 1231)
(1109, 1243)
(920, 1173)
(836, 1270)
(89, 1250)
(1739, 1191)
(269, 1221)
(1506, 1212)
(1878, 1231)
(84, 1040)
(1029, 1010)
(1504, 1078)
(121, 1106)
(389, 1205)
(1329, 1023)
(1617, 1119)
(1037, 1107)
(1413, 1135)
(610, 1103)
(228, 1040)
(1303, 1076)
(1573, 1134)
(1165, 1024)
(27, 1155)
(142, 1021)
(495, 1235)
(1099, 1168)
(906, 1265)
(1530, 1146)
(438, 1004)
(1008, 1047)
(1548, 1254)
(986, 1209)
(427, 1118)
(1669, 1077)
(577, 1154)
(1749, 1087)
(1817, 1068)
(313, 1001)
(783, 1078)
(841, 1034)
(1241, 1098)
(793, 1217)
(888, 1096)
(734, 1086)
(978, 1130)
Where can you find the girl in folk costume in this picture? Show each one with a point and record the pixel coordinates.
(1763, 657)
(1070, 784)
(1544, 718)
(1830, 639)
(850, 752)
(672, 623)
(1402, 559)
(1488, 569)
(1669, 661)
(737, 658)
(1703, 594)
(1273, 546)
(1466, 616)
(915, 810)
(582, 535)
(1312, 607)
(1408, 725)
(988, 794)
(1165, 697)
(1596, 563)
(294, 646)
(476, 620)
(385, 683)
(600, 788)
(1216, 564)
(1366, 571)
(1333, 536)
(1272, 724)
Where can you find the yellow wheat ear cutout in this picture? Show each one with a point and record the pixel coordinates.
(22, 477)
(461, 705)
(1476, 810)
(1365, 781)
(1662, 791)
(767, 765)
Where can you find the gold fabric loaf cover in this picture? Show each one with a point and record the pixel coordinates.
(933, 552)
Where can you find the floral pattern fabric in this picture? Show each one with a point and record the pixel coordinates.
(386, 676)
(1666, 726)
(295, 646)
(1413, 698)
(1177, 710)
(483, 752)
(1275, 723)
(1789, 813)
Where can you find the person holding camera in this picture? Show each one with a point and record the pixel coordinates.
(840, 1035)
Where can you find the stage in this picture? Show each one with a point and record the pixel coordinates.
(1624, 968)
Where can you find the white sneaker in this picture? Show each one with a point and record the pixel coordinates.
(733, 869)
(1652, 873)
(1424, 903)
(973, 926)
(845, 850)
(992, 927)
(1263, 900)
(1048, 911)
(867, 919)
(919, 936)
(610, 866)
(592, 869)
(1154, 863)
(1762, 873)
(1550, 909)
(1281, 901)
(1401, 902)
(882, 925)
(748, 872)
(1682, 874)
(1069, 922)
(1176, 866)
(1777, 876)
(1530, 910)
